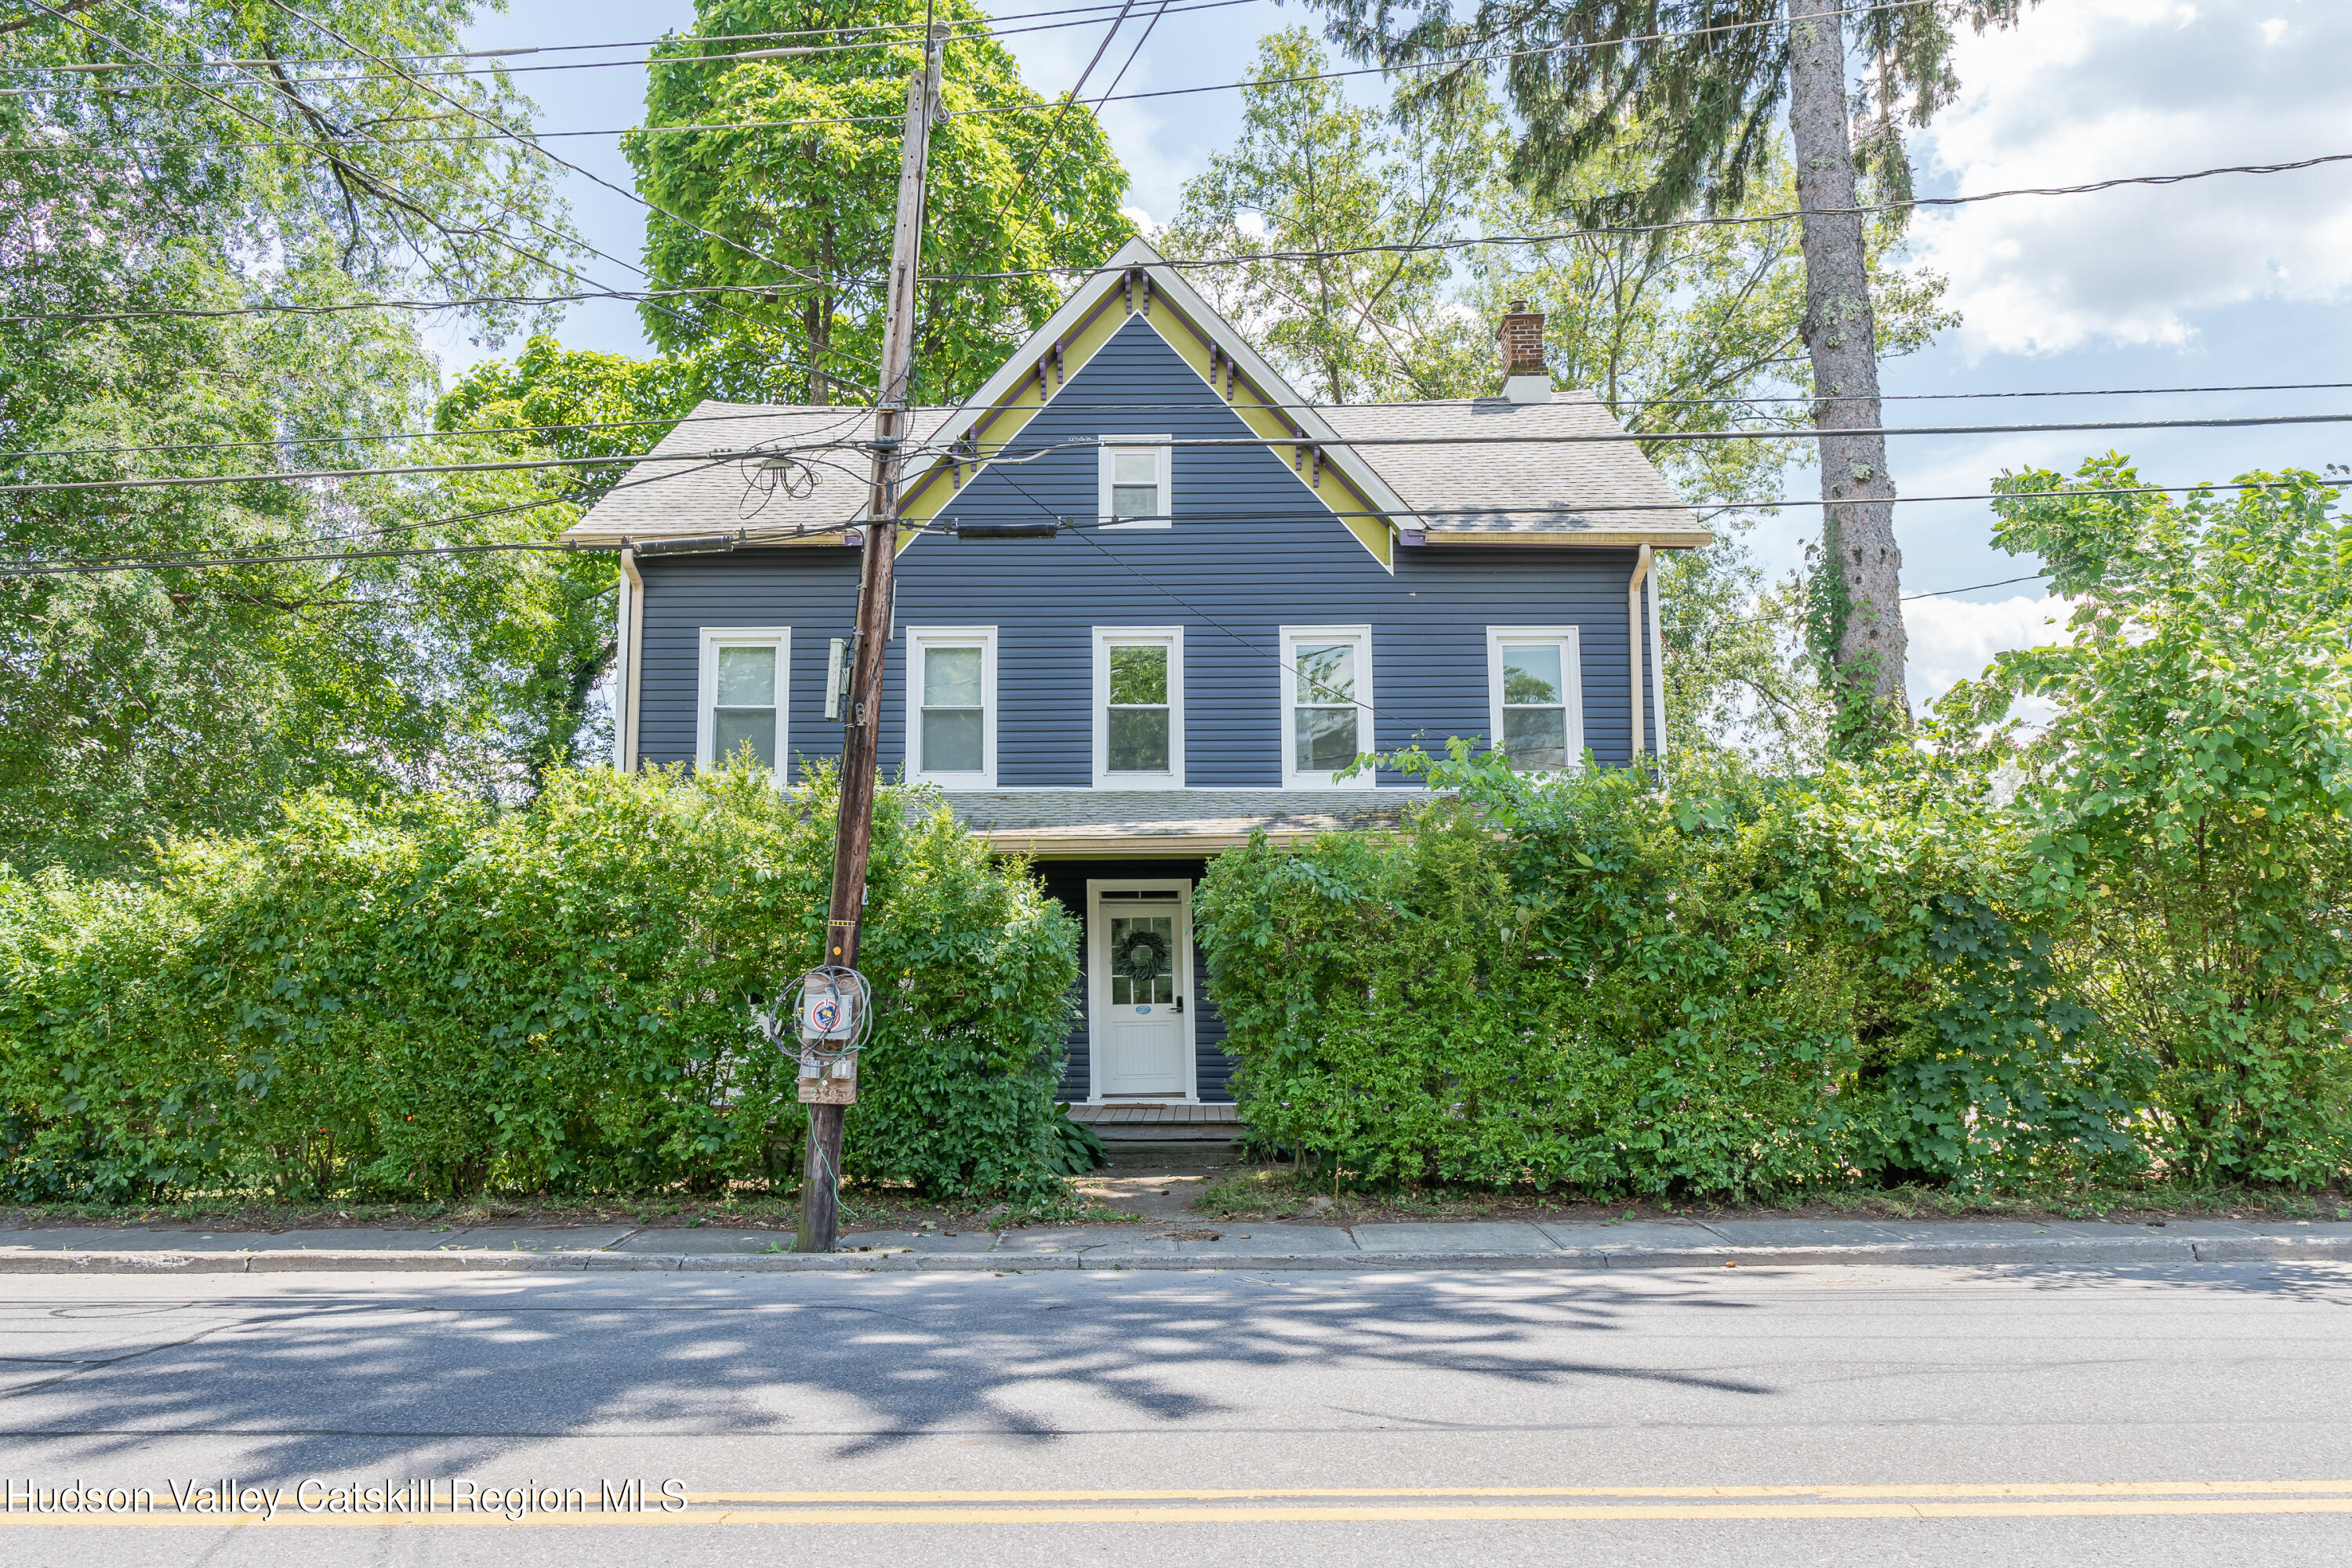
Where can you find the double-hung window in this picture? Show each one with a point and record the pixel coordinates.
(952, 706)
(1535, 708)
(1138, 702)
(741, 691)
(1326, 704)
(1136, 482)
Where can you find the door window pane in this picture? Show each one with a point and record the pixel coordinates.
(1142, 960)
(954, 738)
(1137, 725)
(1535, 708)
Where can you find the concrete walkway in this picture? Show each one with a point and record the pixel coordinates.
(1179, 1243)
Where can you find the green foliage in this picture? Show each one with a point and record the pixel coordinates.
(1706, 80)
(807, 207)
(439, 998)
(2189, 808)
(1313, 173)
(1732, 986)
(138, 704)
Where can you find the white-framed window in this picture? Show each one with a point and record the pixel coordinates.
(1138, 702)
(1326, 705)
(741, 691)
(1137, 483)
(1534, 697)
(952, 706)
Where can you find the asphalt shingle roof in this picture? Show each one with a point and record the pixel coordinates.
(1468, 486)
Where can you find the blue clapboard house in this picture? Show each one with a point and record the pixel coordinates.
(1247, 591)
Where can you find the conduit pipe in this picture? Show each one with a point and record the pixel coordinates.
(625, 683)
(1634, 642)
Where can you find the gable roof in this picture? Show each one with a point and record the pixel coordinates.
(1440, 483)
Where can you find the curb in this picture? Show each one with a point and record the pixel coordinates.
(2098, 1252)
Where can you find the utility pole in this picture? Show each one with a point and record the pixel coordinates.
(820, 1173)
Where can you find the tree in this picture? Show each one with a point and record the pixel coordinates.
(793, 209)
(135, 704)
(1678, 331)
(1701, 82)
(1329, 203)
(2191, 802)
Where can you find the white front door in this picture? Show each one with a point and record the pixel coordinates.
(1142, 969)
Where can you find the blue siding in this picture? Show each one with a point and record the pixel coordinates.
(1251, 550)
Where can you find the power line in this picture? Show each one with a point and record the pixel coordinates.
(348, 80)
(1670, 227)
(1005, 453)
(1247, 84)
(1087, 16)
(1202, 405)
(391, 195)
(407, 436)
(462, 301)
(521, 141)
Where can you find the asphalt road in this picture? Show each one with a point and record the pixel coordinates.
(2193, 1414)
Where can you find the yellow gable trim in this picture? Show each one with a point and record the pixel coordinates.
(931, 494)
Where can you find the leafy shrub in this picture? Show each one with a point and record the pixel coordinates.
(435, 998)
(2190, 809)
(1736, 986)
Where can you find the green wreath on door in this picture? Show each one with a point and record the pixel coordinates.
(1140, 955)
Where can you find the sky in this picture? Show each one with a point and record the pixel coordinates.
(2230, 281)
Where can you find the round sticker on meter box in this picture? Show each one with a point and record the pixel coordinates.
(829, 1006)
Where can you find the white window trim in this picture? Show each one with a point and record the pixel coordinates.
(1111, 445)
(1172, 638)
(706, 688)
(1292, 778)
(1572, 674)
(918, 640)
(1099, 980)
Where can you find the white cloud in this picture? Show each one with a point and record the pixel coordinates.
(1953, 639)
(2095, 89)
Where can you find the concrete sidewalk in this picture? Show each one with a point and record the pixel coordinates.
(1177, 1244)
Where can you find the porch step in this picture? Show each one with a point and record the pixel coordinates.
(1173, 1123)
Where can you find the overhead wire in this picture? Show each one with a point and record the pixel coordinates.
(1008, 452)
(1086, 16)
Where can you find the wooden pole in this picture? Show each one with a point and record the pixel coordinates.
(853, 836)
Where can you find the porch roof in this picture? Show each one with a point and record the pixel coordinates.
(1063, 824)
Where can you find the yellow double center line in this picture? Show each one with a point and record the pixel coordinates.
(1262, 1505)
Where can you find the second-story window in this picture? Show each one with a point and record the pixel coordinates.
(1534, 696)
(1139, 707)
(1136, 492)
(1327, 697)
(951, 705)
(741, 696)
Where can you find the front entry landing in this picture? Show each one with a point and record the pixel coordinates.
(1139, 937)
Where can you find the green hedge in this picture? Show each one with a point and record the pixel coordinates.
(439, 998)
(1739, 986)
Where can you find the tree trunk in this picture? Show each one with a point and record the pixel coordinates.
(1866, 641)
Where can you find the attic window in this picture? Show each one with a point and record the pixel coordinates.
(1135, 485)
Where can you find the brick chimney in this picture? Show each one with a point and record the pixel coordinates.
(1519, 338)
